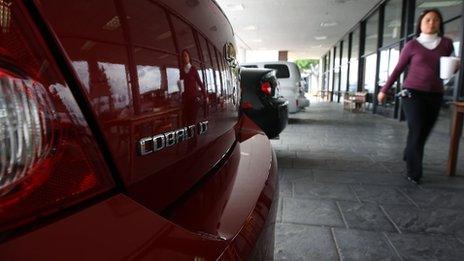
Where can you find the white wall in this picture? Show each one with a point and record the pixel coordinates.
(253, 56)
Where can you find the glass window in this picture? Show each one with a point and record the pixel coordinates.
(226, 85)
(158, 77)
(452, 31)
(383, 69)
(330, 71)
(353, 84)
(184, 37)
(372, 33)
(392, 24)
(173, 76)
(369, 72)
(353, 77)
(281, 70)
(325, 86)
(208, 65)
(325, 73)
(388, 60)
(337, 68)
(345, 50)
(324, 60)
(149, 78)
(217, 71)
(148, 25)
(106, 80)
(337, 55)
(343, 77)
(344, 67)
(324, 69)
(448, 8)
(355, 44)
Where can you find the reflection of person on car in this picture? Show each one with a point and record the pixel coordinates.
(193, 92)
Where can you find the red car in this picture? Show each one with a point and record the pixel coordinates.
(120, 136)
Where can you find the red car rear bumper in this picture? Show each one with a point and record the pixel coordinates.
(120, 228)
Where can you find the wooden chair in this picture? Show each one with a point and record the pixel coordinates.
(354, 102)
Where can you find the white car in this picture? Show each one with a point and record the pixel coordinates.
(291, 84)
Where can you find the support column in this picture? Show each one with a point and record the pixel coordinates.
(283, 56)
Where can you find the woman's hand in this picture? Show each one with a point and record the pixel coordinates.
(381, 97)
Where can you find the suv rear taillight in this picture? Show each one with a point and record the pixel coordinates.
(26, 115)
(269, 84)
(266, 88)
(49, 159)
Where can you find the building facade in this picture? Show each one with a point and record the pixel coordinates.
(365, 57)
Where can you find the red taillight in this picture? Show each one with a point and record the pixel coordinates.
(26, 115)
(266, 88)
(49, 159)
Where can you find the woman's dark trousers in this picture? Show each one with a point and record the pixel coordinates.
(421, 110)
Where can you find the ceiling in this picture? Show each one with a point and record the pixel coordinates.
(306, 28)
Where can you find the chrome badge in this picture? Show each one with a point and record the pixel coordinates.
(158, 142)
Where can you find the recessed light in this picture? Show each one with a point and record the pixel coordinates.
(235, 7)
(329, 24)
(112, 24)
(250, 28)
(164, 35)
(88, 45)
(319, 38)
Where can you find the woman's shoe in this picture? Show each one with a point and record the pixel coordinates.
(415, 181)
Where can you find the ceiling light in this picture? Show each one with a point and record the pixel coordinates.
(329, 24)
(439, 4)
(257, 40)
(112, 24)
(235, 7)
(319, 38)
(164, 35)
(250, 28)
(88, 45)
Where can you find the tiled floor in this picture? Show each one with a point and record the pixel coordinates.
(343, 196)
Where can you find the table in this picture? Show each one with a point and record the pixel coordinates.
(354, 101)
(456, 131)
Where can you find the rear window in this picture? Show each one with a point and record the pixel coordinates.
(281, 70)
(250, 66)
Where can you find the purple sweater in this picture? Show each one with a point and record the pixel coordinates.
(424, 66)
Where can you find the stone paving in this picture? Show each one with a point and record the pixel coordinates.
(343, 195)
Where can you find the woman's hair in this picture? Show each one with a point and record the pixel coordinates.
(182, 54)
(441, 29)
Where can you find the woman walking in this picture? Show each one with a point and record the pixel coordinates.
(423, 92)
